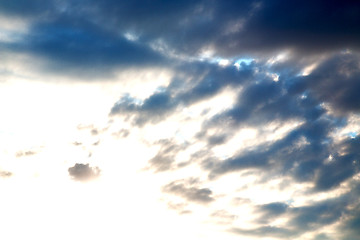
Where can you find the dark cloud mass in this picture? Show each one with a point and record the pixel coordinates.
(336, 81)
(90, 34)
(25, 153)
(83, 172)
(164, 160)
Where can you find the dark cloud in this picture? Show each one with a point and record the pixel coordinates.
(351, 227)
(308, 162)
(95, 38)
(83, 172)
(235, 28)
(272, 210)
(207, 81)
(302, 153)
(292, 98)
(89, 36)
(189, 190)
(309, 217)
(153, 109)
(316, 26)
(286, 152)
(336, 81)
(319, 214)
(79, 46)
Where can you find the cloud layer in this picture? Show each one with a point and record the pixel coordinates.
(264, 93)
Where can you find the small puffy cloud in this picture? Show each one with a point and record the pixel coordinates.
(83, 172)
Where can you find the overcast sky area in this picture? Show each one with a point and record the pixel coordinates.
(180, 120)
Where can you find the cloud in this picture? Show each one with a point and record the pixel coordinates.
(318, 214)
(83, 172)
(206, 80)
(300, 219)
(5, 174)
(287, 63)
(351, 225)
(308, 162)
(25, 153)
(123, 133)
(181, 208)
(268, 231)
(272, 210)
(230, 28)
(164, 160)
(95, 37)
(82, 48)
(95, 41)
(335, 82)
(322, 237)
(312, 152)
(189, 190)
(153, 109)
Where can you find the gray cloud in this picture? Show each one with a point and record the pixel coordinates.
(189, 190)
(86, 37)
(95, 38)
(301, 219)
(268, 231)
(336, 82)
(5, 174)
(83, 172)
(181, 208)
(313, 216)
(231, 27)
(271, 210)
(164, 160)
(207, 81)
(319, 214)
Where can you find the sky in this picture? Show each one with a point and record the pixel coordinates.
(180, 119)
